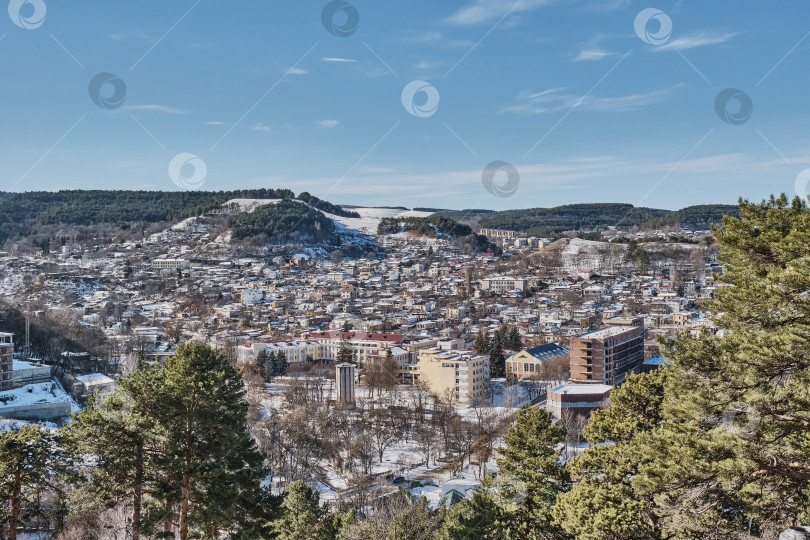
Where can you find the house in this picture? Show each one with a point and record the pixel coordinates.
(579, 399)
(527, 362)
(85, 386)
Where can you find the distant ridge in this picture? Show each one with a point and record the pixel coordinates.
(593, 216)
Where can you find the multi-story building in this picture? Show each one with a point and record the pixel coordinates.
(578, 399)
(294, 351)
(6, 360)
(607, 355)
(464, 374)
(526, 363)
(502, 284)
(366, 346)
(497, 233)
(167, 264)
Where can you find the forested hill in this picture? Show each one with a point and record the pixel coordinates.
(550, 221)
(80, 207)
(698, 217)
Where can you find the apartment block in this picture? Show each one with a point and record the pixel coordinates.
(6, 360)
(497, 233)
(607, 355)
(465, 374)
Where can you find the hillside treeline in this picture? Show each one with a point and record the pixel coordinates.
(577, 217)
(326, 206)
(425, 226)
(283, 219)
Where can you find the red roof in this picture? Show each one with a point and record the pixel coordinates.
(359, 336)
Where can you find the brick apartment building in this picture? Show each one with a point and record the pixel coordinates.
(607, 355)
(6, 360)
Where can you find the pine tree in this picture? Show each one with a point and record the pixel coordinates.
(345, 352)
(121, 433)
(264, 363)
(497, 363)
(603, 502)
(514, 341)
(280, 364)
(531, 457)
(301, 515)
(27, 469)
(519, 502)
(730, 451)
(482, 345)
(212, 466)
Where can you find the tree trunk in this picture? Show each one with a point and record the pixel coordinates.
(186, 490)
(138, 491)
(184, 509)
(16, 491)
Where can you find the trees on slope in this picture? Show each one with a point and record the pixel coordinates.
(726, 451)
(30, 463)
(174, 442)
(519, 502)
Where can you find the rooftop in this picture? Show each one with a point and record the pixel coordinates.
(581, 389)
(607, 332)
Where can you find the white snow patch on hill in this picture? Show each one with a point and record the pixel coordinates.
(249, 205)
(371, 217)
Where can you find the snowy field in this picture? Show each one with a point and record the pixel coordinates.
(371, 217)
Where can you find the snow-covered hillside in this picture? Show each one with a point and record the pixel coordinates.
(371, 217)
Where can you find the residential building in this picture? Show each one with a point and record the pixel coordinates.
(579, 399)
(497, 233)
(607, 355)
(166, 264)
(6, 360)
(464, 374)
(527, 362)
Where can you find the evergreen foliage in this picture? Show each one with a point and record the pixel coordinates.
(284, 218)
(326, 206)
(425, 226)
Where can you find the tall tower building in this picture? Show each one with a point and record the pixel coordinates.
(344, 378)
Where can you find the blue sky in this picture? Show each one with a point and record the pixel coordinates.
(565, 91)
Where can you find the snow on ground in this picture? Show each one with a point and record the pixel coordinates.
(249, 205)
(371, 217)
(404, 457)
(433, 495)
(577, 246)
(9, 425)
(185, 224)
(47, 392)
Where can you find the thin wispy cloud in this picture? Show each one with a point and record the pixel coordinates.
(297, 71)
(259, 126)
(214, 123)
(594, 55)
(699, 39)
(328, 123)
(155, 108)
(333, 59)
(483, 11)
(556, 99)
(424, 64)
